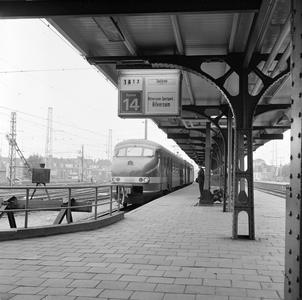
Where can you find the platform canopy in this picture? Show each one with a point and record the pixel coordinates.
(207, 40)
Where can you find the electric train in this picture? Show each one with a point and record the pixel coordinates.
(147, 170)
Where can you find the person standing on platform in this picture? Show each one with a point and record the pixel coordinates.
(200, 180)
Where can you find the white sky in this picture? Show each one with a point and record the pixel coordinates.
(276, 152)
(39, 69)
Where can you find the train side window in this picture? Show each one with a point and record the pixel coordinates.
(134, 151)
(120, 152)
(148, 152)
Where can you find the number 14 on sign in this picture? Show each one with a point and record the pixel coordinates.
(131, 102)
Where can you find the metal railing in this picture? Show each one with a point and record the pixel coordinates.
(11, 204)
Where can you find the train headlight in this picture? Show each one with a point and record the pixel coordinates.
(144, 179)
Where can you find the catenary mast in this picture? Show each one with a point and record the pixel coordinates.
(12, 149)
(48, 146)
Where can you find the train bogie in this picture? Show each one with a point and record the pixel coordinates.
(145, 170)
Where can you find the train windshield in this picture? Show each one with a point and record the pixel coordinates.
(120, 152)
(134, 151)
(148, 152)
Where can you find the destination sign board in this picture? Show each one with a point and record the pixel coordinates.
(149, 93)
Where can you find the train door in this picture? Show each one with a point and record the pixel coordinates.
(181, 174)
(169, 172)
(187, 173)
(161, 169)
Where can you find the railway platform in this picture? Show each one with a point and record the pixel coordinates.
(169, 249)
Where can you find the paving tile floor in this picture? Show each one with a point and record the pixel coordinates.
(167, 249)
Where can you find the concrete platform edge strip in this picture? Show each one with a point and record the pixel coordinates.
(24, 233)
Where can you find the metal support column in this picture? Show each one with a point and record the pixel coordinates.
(207, 197)
(244, 107)
(244, 185)
(293, 269)
(207, 183)
(230, 164)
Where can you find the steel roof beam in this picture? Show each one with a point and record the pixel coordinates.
(147, 60)
(234, 32)
(275, 136)
(199, 153)
(284, 58)
(172, 127)
(267, 24)
(184, 136)
(231, 47)
(257, 29)
(177, 34)
(263, 127)
(182, 144)
(273, 53)
(181, 50)
(202, 109)
(180, 127)
(192, 142)
(79, 8)
(260, 109)
(128, 42)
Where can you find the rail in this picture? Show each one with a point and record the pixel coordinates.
(276, 188)
(12, 205)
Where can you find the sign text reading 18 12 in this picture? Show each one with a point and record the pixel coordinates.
(131, 101)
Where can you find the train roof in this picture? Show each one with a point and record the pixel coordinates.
(138, 141)
(145, 142)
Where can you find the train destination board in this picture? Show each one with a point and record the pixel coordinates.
(161, 103)
(149, 93)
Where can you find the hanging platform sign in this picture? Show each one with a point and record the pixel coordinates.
(149, 93)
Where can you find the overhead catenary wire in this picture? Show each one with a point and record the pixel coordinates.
(67, 138)
(55, 89)
(72, 124)
(35, 127)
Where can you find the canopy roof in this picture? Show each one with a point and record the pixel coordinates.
(200, 38)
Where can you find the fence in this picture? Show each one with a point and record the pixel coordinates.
(87, 199)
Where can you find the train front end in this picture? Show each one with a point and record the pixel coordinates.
(135, 166)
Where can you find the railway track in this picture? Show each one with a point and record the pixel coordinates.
(280, 194)
(274, 188)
